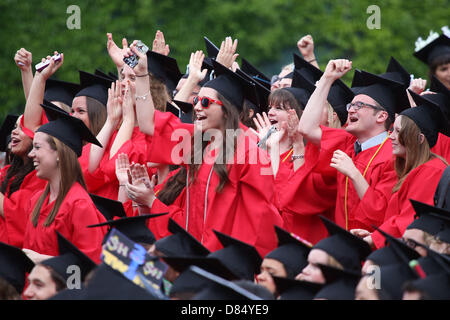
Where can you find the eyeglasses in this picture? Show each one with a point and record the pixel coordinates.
(274, 79)
(410, 243)
(205, 102)
(358, 105)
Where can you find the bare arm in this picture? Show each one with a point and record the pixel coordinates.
(33, 110)
(114, 110)
(23, 59)
(145, 110)
(128, 120)
(309, 125)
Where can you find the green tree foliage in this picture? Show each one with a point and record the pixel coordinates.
(268, 31)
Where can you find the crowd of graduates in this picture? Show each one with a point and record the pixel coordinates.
(236, 185)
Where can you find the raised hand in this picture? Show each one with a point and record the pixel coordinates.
(141, 191)
(141, 68)
(306, 47)
(159, 44)
(195, 66)
(337, 68)
(418, 85)
(263, 125)
(114, 105)
(115, 52)
(292, 127)
(122, 168)
(227, 53)
(343, 163)
(129, 102)
(23, 59)
(52, 67)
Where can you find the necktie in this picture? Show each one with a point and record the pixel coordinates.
(358, 148)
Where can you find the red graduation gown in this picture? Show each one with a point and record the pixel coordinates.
(303, 195)
(103, 181)
(77, 211)
(380, 175)
(12, 225)
(442, 147)
(243, 209)
(420, 185)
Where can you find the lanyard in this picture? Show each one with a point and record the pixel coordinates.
(364, 174)
(288, 155)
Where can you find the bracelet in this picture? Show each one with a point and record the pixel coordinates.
(144, 75)
(144, 97)
(312, 60)
(297, 156)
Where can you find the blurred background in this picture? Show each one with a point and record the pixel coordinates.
(267, 31)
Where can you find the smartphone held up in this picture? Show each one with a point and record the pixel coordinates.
(132, 60)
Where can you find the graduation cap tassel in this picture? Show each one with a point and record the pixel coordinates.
(414, 264)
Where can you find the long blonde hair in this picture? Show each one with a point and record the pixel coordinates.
(70, 173)
(417, 152)
(333, 122)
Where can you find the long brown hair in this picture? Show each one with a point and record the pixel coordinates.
(15, 174)
(160, 95)
(438, 61)
(70, 173)
(416, 153)
(96, 114)
(230, 120)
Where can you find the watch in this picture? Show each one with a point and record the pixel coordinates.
(297, 156)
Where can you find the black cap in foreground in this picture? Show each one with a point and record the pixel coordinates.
(135, 228)
(14, 265)
(69, 255)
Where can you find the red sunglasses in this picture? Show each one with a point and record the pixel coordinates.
(205, 102)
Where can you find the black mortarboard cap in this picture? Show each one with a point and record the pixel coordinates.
(237, 260)
(211, 49)
(290, 289)
(14, 265)
(221, 289)
(435, 287)
(94, 86)
(184, 106)
(164, 68)
(232, 86)
(256, 75)
(172, 109)
(262, 93)
(109, 284)
(393, 278)
(436, 48)
(300, 88)
(69, 255)
(428, 115)
(399, 248)
(386, 256)
(444, 235)
(438, 87)
(306, 69)
(188, 283)
(134, 228)
(61, 91)
(389, 94)
(429, 218)
(181, 243)
(109, 208)
(5, 131)
(340, 284)
(346, 248)
(434, 262)
(397, 73)
(291, 252)
(109, 75)
(70, 130)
